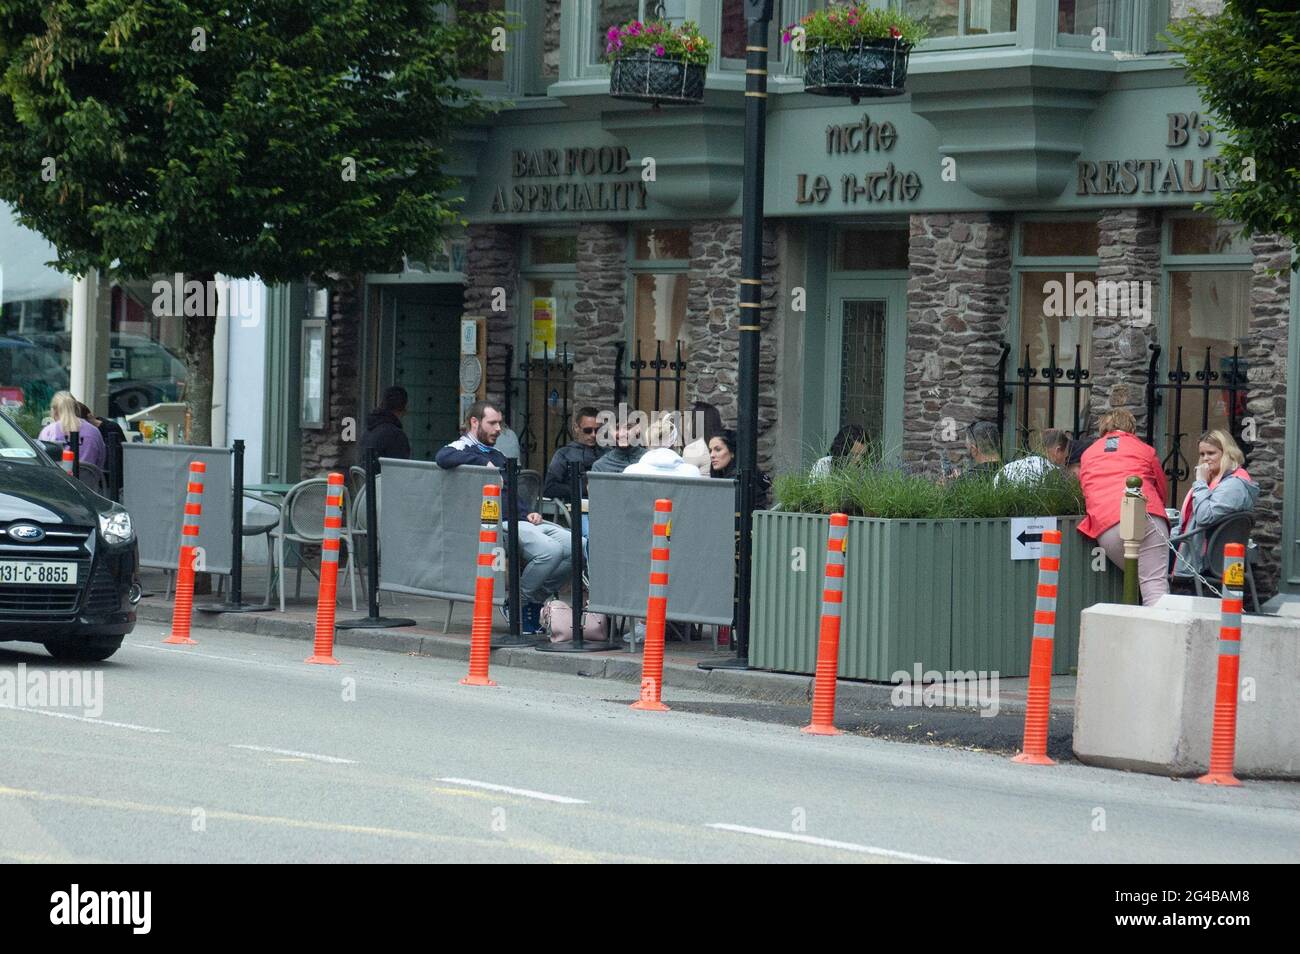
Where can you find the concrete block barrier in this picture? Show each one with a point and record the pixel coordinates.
(1145, 695)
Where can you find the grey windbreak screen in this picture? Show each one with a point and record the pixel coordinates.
(428, 529)
(154, 479)
(702, 548)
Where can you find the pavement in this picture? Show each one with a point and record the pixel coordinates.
(235, 750)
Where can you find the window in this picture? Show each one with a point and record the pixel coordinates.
(494, 69)
(659, 286)
(1056, 264)
(1089, 24)
(608, 13)
(871, 249)
(550, 287)
(1208, 276)
(958, 18)
(1072, 237)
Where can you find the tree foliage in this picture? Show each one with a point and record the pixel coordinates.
(1246, 64)
(215, 135)
(283, 139)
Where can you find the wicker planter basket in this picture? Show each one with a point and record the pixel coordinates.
(654, 79)
(870, 68)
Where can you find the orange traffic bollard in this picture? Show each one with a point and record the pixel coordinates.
(1223, 743)
(67, 461)
(828, 639)
(1038, 706)
(182, 609)
(480, 634)
(328, 594)
(652, 660)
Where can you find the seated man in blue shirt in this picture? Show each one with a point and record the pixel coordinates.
(544, 548)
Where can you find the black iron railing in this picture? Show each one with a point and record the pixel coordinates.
(539, 419)
(1053, 379)
(1192, 388)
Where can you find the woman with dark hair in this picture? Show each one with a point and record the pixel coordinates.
(705, 421)
(723, 464)
(849, 445)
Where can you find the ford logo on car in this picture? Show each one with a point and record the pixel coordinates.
(27, 532)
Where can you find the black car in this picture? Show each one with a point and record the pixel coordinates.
(69, 564)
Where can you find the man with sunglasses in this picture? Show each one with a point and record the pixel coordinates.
(583, 449)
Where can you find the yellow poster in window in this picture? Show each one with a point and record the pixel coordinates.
(543, 327)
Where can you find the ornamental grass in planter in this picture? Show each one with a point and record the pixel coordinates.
(655, 62)
(929, 578)
(854, 50)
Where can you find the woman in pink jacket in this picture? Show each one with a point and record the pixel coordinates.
(1117, 455)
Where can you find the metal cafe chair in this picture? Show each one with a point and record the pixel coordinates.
(1232, 529)
(302, 522)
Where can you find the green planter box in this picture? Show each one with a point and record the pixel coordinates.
(941, 593)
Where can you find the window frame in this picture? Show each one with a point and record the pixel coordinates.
(648, 266)
(962, 41)
(1083, 43)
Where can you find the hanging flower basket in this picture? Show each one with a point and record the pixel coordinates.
(855, 51)
(869, 68)
(656, 62)
(651, 79)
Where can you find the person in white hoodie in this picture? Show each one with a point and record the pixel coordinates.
(661, 460)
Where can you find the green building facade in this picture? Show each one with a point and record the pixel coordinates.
(1029, 205)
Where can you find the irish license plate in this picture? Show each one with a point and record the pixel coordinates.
(37, 573)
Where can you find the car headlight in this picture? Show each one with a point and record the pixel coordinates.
(115, 526)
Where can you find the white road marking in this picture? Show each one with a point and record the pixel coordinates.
(64, 715)
(829, 843)
(333, 760)
(523, 792)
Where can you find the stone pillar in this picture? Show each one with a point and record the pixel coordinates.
(492, 273)
(325, 450)
(1129, 251)
(599, 311)
(713, 320)
(1266, 357)
(958, 302)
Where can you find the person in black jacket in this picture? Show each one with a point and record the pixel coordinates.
(583, 449)
(384, 427)
(724, 464)
(544, 548)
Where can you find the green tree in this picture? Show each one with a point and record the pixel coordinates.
(1246, 64)
(284, 139)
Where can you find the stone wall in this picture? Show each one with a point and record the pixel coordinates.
(713, 318)
(1266, 354)
(325, 450)
(491, 263)
(958, 299)
(1129, 251)
(599, 310)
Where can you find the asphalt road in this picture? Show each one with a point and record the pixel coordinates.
(235, 750)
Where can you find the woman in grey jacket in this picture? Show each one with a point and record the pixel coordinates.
(1222, 488)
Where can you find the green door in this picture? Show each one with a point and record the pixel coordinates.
(865, 351)
(420, 342)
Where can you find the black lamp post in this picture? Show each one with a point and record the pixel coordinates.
(758, 17)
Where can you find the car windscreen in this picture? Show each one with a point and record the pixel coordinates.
(14, 446)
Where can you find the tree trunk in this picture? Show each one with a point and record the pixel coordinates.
(200, 330)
